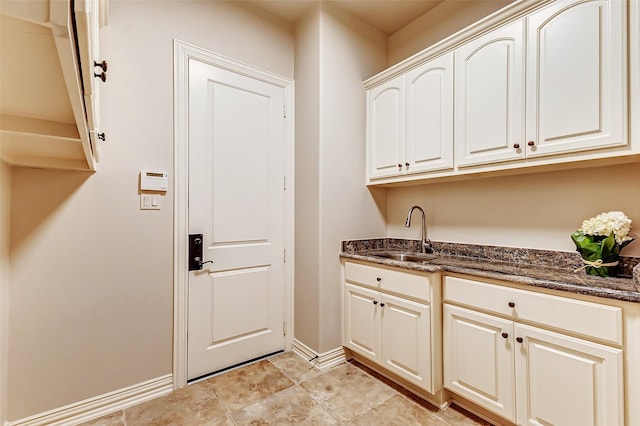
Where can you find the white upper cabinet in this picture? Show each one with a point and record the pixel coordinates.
(576, 77)
(490, 97)
(386, 112)
(429, 112)
(410, 121)
(536, 84)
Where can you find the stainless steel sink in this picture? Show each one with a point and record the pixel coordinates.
(405, 257)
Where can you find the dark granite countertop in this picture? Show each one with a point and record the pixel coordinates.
(536, 268)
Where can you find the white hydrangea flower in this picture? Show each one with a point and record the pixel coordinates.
(607, 223)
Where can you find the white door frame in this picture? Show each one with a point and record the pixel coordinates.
(182, 52)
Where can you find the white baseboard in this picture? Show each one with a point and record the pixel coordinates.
(101, 405)
(321, 361)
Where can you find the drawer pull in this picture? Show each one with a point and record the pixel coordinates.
(519, 339)
(505, 335)
(512, 305)
(378, 279)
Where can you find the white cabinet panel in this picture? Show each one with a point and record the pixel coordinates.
(406, 339)
(565, 381)
(429, 111)
(362, 328)
(478, 359)
(386, 133)
(489, 100)
(576, 77)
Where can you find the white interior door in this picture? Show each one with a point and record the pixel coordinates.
(236, 200)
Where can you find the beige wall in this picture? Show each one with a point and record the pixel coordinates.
(331, 115)
(5, 206)
(535, 210)
(307, 213)
(350, 52)
(91, 284)
(437, 24)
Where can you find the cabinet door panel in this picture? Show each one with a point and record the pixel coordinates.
(429, 112)
(362, 328)
(479, 360)
(386, 128)
(406, 340)
(564, 381)
(489, 100)
(576, 77)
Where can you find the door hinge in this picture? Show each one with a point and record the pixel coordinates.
(284, 328)
(284, 183)
(284, 255)
(284, 111)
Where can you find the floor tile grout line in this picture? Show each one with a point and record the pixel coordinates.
(227, 412)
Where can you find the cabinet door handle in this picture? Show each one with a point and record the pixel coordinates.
(516, 146)
(531, 143)
(382, 305)
(512, 304)
(375, 302)
(399, 165)
(378, 279)
(519, 339)
(406, 164)
(505, 335)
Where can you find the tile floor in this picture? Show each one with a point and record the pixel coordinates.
(285, 389)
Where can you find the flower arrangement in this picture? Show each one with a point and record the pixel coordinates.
(599, 241)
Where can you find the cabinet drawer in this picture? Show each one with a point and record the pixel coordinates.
(588, 319)
(411, 285)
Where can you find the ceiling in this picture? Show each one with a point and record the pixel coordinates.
(386, 15)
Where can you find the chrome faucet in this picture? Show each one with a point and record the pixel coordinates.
(425, 244)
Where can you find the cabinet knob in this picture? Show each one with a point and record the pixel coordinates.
(519, 339)
(378, 279)
(531, 143)
(375, 302)
(512, 305)
(382, 305)
(406, 164)
(516, 146)
(399, 165)
(505, 335)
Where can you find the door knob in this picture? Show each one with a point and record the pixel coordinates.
(195, 253)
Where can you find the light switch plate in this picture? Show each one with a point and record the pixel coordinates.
(149, 202)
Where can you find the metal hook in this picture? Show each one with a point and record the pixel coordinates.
(102, 65)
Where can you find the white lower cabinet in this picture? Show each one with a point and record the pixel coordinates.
(529, 374)
(394, 332)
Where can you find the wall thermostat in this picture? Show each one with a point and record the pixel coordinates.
(154, 180)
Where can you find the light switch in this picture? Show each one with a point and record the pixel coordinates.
(149, 202)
